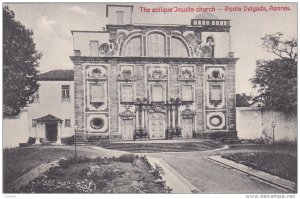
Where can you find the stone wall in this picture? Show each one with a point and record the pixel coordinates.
(15, 130)
(141, 85)
(79, 96)
(251, 122)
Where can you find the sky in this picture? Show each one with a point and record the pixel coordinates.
(52, 24)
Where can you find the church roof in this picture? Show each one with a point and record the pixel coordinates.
(48, 118)
(57, 75)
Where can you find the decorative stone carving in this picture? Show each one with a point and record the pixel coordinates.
(215, 73)
(156, 108)
(108, 48)
(188, 113)
(97, 123)
(96, 72)
(216, 121)
(126, 73)
(205, 50)
(215, 76)
(127, 114)
(186, 73)
(112, 47)
(193, 43)
(158, 73)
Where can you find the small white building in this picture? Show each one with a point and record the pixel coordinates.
(51, 115)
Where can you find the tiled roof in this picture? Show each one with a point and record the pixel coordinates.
(57, 75)
(48, 118)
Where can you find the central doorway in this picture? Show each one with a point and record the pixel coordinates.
(157, 126)
(51, 131)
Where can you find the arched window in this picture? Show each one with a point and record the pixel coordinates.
(133, 47)
(156, 45)
(178, 48)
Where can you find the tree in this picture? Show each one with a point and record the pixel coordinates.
(243, 100)
(20, 62)
(276, 79)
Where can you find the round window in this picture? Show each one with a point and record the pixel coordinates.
(97, 123)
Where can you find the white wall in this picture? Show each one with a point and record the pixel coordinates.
(82, 40)
(51, 103)
(251, 122)
(15, 130)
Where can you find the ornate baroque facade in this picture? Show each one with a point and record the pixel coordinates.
(154, 81)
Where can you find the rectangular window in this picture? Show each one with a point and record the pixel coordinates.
(187, 93)
(65, 95)
(94, 48)
(157, 93)
(67, 123)
(34, 124)
(120, 18)
(215, 93)
(127, 93)
(97, 92)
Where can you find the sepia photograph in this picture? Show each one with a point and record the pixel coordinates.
(139, 98)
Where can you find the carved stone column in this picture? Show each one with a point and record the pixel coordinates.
(136, 118)
(58, 142)
(173, 117)
(169, 116)
(176, 116)
(143, 117)
(37, 138)
(140, 118)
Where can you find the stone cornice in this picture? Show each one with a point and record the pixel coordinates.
(181, 28)
(159, 60)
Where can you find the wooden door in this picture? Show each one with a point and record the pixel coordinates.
(157, 126)
(51, 131)
(127, 129)
(187, 128)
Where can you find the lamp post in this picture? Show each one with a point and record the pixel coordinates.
(273, 126)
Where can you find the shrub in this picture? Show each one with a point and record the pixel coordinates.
(63, 163)
(43, 184)
(286, 142)
(129, 158)
(97, 138)
(68, 140)
(265, 137)
(31, 140)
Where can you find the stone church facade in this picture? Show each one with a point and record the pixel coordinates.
(151, 81)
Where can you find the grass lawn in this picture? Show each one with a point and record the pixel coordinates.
(161, 147)
(283, 165)
(18, 161)
(99, 175)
